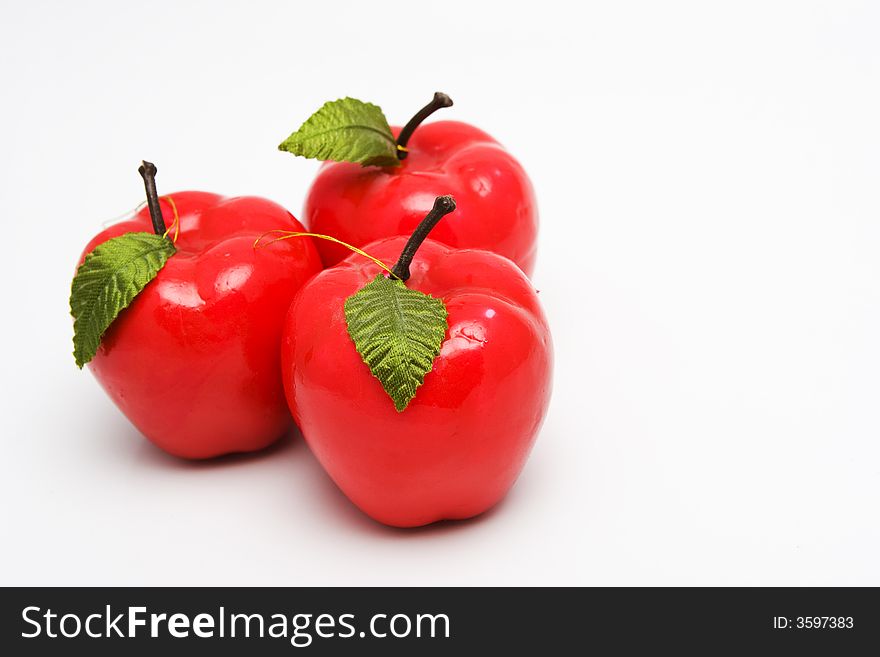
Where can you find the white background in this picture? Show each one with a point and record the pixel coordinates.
(708, 182)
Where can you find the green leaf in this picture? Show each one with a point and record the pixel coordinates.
(345, 130)
(398, 332)
(107, 281)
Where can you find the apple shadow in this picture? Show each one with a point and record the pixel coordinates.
(328, 499)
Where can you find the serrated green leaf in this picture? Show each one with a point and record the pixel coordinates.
(345, 130)
(107, 281)
(398, 333)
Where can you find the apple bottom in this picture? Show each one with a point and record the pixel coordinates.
(461, 486)
(205, 426)
(196, 396)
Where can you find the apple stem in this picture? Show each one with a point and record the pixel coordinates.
(443, 205)
(440, 100)
(148, 173)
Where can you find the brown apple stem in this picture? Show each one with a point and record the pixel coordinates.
(440, 100)
(148, 173)
(443, 205)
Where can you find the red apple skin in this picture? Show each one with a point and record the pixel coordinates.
(496, 206)
(459, 446)
(193, 362)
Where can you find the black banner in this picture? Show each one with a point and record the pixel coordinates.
(418, 621)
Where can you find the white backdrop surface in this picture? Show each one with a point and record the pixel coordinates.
(708, 182)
